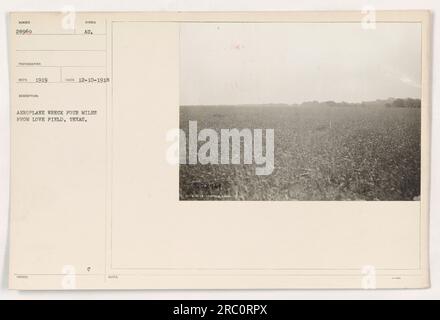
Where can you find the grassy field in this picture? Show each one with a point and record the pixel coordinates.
(321, 153)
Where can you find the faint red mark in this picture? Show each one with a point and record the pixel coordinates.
(237, 46)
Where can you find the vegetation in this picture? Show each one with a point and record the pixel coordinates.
(324, 152)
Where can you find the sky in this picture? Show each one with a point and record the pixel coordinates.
(252, 63)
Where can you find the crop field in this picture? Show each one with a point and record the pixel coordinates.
(320, 153)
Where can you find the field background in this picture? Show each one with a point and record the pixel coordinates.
(321, 153)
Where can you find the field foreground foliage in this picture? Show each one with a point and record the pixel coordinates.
(321, 153)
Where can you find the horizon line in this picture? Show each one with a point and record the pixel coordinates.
(297, 103)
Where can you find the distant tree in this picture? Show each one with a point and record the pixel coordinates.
(331, 103)
(413, 103)
(406, 103)
(398, 103)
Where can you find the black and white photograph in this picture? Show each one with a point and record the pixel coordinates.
(300, 111)
(244, 151)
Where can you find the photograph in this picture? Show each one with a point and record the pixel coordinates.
(300, 111)
(276, 152)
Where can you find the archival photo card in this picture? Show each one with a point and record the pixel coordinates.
(219, 150)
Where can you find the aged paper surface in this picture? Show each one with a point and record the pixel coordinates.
(97, 202)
